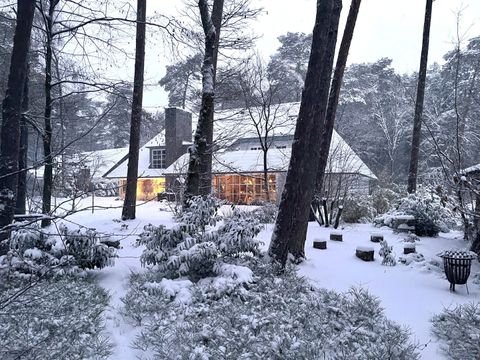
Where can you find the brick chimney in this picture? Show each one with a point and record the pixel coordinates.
(178, 133)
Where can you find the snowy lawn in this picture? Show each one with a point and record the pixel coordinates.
(410, 294)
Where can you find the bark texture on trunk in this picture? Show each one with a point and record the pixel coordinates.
(326, 139)
(129, 204)
(47, 135)
(20, 207)
(291, 225)
(11, 114)
(417, 121)
(199, 174)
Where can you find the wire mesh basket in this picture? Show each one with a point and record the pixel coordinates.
(457, 266)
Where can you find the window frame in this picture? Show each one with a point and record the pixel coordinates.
(161, 161)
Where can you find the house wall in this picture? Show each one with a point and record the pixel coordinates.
(244, 189)
(147, 188)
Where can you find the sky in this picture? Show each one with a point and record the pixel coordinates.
(385, 28)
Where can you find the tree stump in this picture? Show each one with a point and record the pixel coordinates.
(409, 249)
(365, 253)
(335, 236)
(376, 238)
(320, 244)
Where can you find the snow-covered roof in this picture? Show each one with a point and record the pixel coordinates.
(233, 124)
(144, 170)
(99, 161)
(342, 160)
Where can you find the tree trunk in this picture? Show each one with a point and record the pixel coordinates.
(47, 136)
(476, 226)
(291, 225)
(265, 174)
(11, 114)
(22, 154)
(132, 172)
(335, 88)
(199, 174)
(417, 121)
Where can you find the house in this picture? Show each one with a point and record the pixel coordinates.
(238, 165)
(156, 155)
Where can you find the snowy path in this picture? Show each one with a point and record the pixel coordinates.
(115, 279)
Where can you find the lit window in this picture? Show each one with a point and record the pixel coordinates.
(158, 159)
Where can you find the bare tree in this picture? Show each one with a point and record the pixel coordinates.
(129, 204)
(264, 112)
(291, 225)
(417, 121)
(11, 114)
(199, 175)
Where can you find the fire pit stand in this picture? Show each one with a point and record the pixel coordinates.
(457, 266)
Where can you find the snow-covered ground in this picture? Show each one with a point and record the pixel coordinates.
(411, 294)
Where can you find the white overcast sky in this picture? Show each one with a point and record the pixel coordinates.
(385, 28)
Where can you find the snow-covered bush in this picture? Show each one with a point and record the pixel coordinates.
(358, 209)
(265, 315)
(459, 330)
(49, 320)
(193, 247)
(31, 251)
(267, 213)
(200, 213)
(383, 198)
(430, 212)
(386, 252)
(87, 248)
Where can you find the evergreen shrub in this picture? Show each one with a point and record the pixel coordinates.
(458, 329)
(264, 315)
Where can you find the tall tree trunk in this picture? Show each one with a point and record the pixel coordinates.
(199, 174)
(11, 114)
(417, 121)
(132, 172)
(291, 225)
(47, 136)
(22, 154)
(326, 139)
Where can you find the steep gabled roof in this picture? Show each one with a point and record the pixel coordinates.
(144, 170)
(233, 124)
(342, 160)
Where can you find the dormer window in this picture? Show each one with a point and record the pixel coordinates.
(157, 159)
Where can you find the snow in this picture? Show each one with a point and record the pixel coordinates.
(411, 293)
(99, 161)
(234, 124)
(176, 289)
(365, 248)
(144, 170)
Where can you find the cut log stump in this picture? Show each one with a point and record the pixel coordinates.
(376, 238)
(336, 236)
(320, 244)
(409, 249)
(365, 253)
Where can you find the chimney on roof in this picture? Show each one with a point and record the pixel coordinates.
(178, 133)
